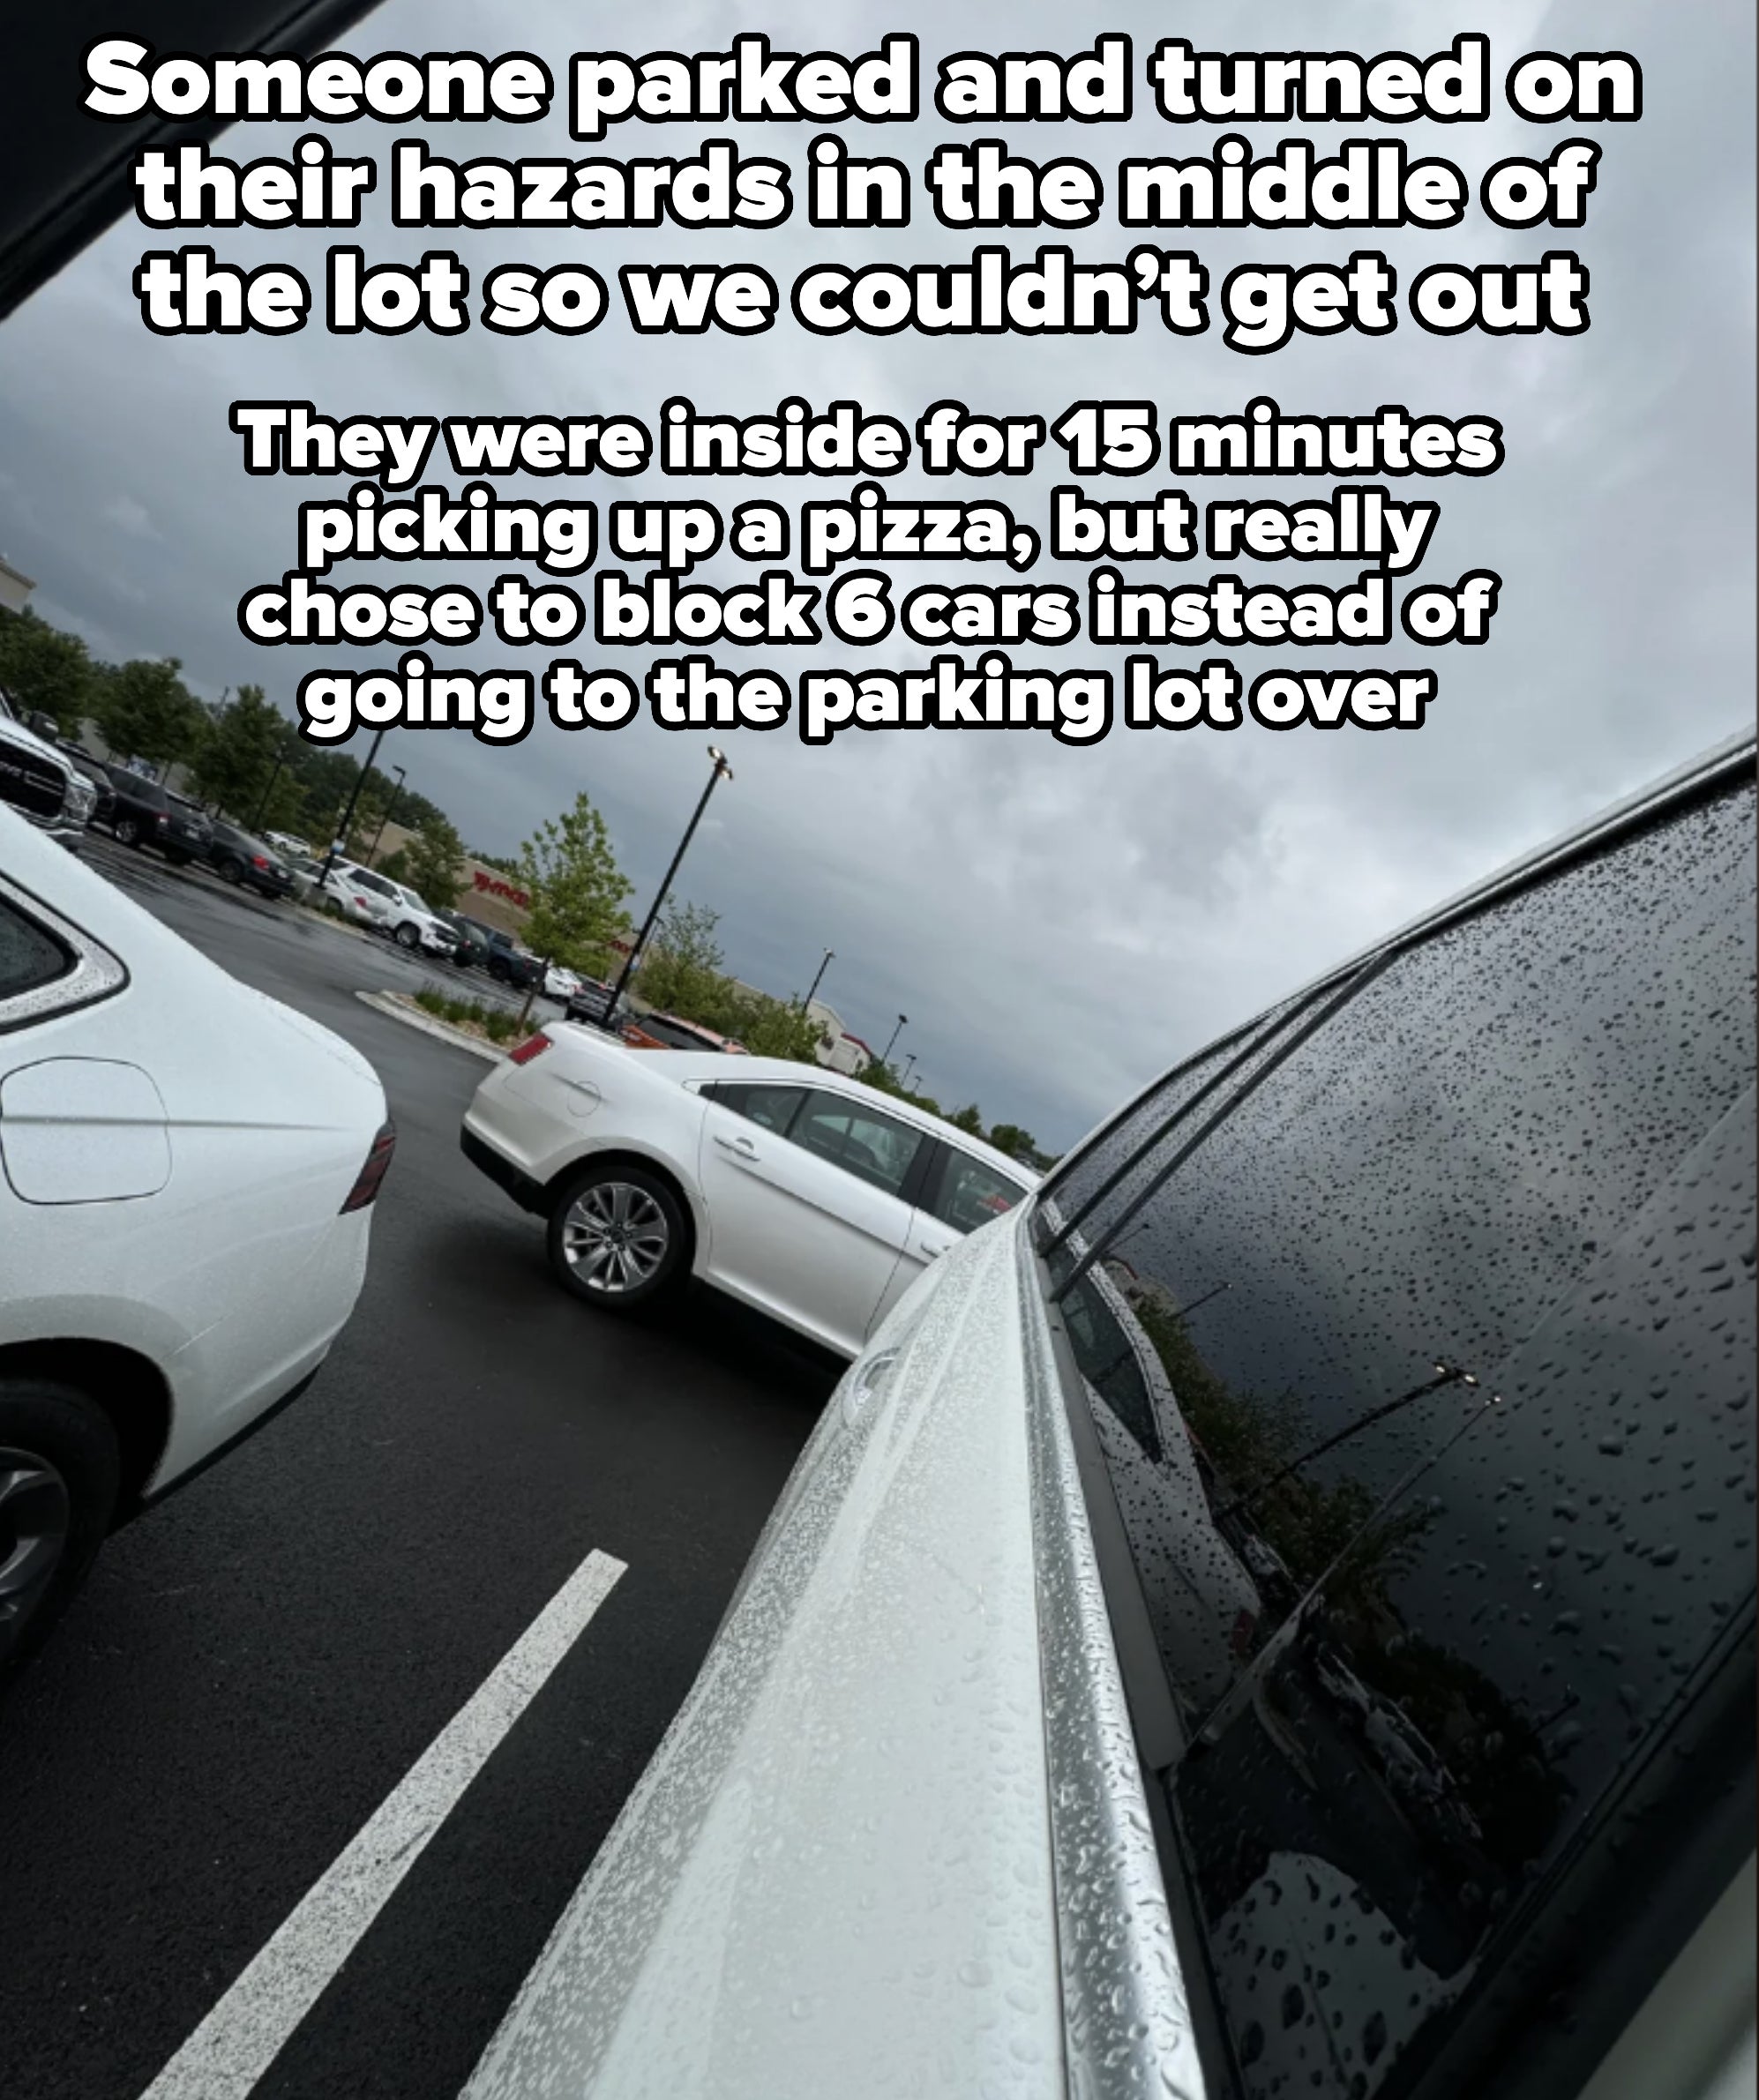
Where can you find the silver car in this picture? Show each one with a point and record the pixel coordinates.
(1274, 1614)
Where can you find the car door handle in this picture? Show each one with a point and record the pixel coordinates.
(931, 1250)
(743, 1147)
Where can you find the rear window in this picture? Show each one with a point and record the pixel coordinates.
(1424, 1382)
(29, 957)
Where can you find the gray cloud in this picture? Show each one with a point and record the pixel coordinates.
(1058, 922)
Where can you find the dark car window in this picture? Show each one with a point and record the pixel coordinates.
(1107, 1358)
(139, 789)
(1455, 1308)
(29, 957)
(770, 1108)
(970, 1193)
(871, 1147)
(1104, 1185)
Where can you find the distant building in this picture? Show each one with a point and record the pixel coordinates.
(839, 1050)
(15, 588)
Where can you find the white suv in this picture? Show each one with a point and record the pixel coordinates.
(397, 910)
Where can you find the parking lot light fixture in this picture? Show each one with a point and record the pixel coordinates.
(342, 837)
(721, 771)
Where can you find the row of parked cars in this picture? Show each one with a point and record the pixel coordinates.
(65, 789)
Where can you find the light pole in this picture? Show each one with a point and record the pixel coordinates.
(348, 813)
(830, 957)
(385, 819)
(904, 1077)
(721, 770)
(263, 806)
(885, 1054)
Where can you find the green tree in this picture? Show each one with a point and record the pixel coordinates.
(436, 859)
(569, 868)
(884, 1079)
(1010, 1139)
(148, 712)
(237, 757)
(769, 1028)
(43, 668)
(681, 972)
(970, 1119)
(395, 867)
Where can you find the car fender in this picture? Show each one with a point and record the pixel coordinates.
(565, 1159)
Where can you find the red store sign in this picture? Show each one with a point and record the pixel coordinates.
(496, 887)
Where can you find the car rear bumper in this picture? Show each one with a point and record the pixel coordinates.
(505, 1175)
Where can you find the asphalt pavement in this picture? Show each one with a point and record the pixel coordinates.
(257, 1662)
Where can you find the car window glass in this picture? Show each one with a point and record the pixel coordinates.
(1446, 1311)
(28, 956)
(770, 1108)
(971, 1194)
(1100, 1186)
(871, 1147)
(1106, 1358)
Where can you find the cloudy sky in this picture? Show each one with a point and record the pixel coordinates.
(1058, 923)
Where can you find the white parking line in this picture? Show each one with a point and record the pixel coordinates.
(240, 2038)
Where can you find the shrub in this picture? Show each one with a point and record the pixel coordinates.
(499, 1024)
(431, 1001)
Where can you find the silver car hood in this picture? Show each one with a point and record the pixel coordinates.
(895, 1840)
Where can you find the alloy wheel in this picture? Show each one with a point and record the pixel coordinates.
(36, 1514)
(615, 1236)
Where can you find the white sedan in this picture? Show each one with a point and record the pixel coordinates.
(806, 1194)
(186, 1169)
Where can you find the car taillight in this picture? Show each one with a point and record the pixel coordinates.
(162, 819)
(257, 861)
(377, 1162)
(1239, 1640)
(533, 1046)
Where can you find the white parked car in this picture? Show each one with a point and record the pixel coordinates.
(812, 1198)
(560, 984)
(396, 909)
(186, 1171)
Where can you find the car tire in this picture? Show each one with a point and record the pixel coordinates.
(230, 872)
(127, 831)
(617, 1237)
(408, 936)
(60, 1473)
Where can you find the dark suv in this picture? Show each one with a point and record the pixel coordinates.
(511, 965)
(146, 814)
(471, 950)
